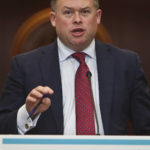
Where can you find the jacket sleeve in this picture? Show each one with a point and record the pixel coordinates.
(140, 102)
(13, 97)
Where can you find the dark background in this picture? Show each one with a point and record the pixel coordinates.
(128, 23)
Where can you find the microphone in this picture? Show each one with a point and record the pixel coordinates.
(89, 75)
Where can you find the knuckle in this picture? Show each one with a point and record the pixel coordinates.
(28, 99)
(33, 92)
(38, 87)
(47, 88)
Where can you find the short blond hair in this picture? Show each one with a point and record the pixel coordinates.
(53, 4)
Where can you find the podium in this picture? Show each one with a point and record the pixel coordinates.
(40, 142)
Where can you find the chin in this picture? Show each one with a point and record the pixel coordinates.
(78, 41)
(78, 46)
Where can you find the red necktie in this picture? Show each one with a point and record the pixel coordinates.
(84, 105)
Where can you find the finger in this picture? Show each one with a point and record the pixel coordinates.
(45, 90)
(46, 102)
(31, 99)
(36, 94)
(49, 90)
(31, 102)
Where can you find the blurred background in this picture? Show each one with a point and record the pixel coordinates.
(127, 24)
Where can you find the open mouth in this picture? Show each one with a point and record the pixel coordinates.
(78, 32)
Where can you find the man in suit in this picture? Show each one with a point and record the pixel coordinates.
(119, 86)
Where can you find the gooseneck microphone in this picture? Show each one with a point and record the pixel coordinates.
(89, 75)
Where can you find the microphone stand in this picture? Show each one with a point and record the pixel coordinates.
(89, 74)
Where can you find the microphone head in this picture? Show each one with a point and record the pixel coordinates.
(88, 74)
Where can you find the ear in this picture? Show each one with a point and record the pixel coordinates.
(52, 18)
(99, 15)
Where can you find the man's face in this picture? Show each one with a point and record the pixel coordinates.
(76, 22)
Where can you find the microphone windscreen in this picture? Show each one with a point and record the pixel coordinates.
(88, 74)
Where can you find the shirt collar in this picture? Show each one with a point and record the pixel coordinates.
(65, 52)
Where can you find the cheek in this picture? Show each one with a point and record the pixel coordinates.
(91, 24)
(62, 23)
(62, 28)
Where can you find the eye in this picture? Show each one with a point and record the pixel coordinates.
(85, 12)
(67, 12)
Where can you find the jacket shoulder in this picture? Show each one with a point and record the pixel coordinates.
(114, 50)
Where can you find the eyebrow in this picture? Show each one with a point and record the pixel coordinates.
(66, 7)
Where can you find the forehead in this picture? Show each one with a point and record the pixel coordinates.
(75, 3)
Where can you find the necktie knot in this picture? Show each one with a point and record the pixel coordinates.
(79, 56)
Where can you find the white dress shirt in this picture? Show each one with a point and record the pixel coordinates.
(68, 68)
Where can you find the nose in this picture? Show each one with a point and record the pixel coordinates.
(77, 18)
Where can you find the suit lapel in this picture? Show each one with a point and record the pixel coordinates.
(50, 70)
(105, 63)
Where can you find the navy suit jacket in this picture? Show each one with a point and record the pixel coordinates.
(123, 89)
